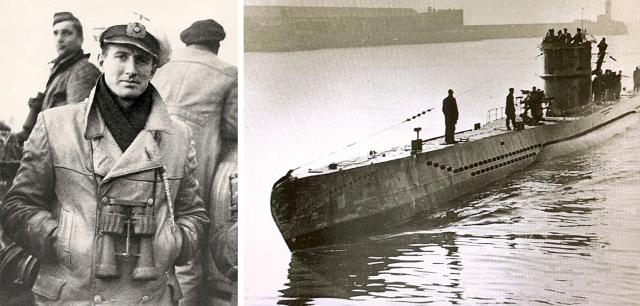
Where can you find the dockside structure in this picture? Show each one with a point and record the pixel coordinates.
(291, 28)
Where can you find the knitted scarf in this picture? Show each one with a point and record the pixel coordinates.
(124, 125)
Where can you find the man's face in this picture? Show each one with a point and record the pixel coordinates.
(127, 69)
(67, 38)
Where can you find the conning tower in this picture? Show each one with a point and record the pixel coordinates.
(567, 76)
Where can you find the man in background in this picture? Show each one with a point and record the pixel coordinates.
(450, 110)
(202, 90)
(71, 77)
(510, 110)
(636, 79)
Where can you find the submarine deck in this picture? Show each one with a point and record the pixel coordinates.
(492, 128)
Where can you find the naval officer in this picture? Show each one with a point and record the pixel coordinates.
(106, 194)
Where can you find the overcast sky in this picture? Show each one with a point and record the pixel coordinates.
(28, 43)
(494, 11)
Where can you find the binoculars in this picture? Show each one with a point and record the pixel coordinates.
(131, 221)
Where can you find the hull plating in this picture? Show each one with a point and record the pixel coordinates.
(327, 208)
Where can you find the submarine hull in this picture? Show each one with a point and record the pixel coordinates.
(335, 205)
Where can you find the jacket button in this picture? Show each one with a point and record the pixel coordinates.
(145, 298)
(97, 299)
(103, 200)
(150, 202)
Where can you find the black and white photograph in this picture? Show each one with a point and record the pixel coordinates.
(438, 152)
(119, 153)
(320, 152)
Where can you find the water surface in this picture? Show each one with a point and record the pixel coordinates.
(562, 232)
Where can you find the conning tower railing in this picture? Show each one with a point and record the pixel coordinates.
(495, 114)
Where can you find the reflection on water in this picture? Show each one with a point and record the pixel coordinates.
(554, 234)
(563, 232)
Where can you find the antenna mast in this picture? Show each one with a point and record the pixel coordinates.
(582, 22)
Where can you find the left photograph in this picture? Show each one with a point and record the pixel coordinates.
(118, 153)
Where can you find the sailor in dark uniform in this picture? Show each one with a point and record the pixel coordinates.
(567, 36)
(536, 108)
(528, 104)
(636, 79)
(560, 37)
(602, 49)
(617, 85)
(597, 88)
(510, 110)
(450, 110)
(608, 81)
(578, 39)
(550, 37)
(602, 46)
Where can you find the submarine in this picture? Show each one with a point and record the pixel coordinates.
(341, 201)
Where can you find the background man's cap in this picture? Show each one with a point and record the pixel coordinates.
(64, 16)
(203, 31)
(136, 34)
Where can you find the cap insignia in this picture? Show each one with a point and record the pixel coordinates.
(136, 30)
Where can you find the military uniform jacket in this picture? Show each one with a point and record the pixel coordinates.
(450, 109)
(54, 204)
(510, 108)
(211, 111)
(70, 81)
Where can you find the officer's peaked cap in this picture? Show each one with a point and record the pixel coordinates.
(138, 35)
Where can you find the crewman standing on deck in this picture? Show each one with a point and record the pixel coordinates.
(617, 84)
(450, 110)
(636, 79)
(510, 110)
(597, 88)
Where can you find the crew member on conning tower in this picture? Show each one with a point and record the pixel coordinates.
(578, 38)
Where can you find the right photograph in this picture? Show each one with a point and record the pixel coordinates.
(442, 152)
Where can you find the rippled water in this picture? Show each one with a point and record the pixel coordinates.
(562, 232)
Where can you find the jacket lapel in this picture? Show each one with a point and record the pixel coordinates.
(143, 153)
(105, 153)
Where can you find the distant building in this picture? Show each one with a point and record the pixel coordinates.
(288, 28)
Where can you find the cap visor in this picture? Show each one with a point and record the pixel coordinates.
(128, 41)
